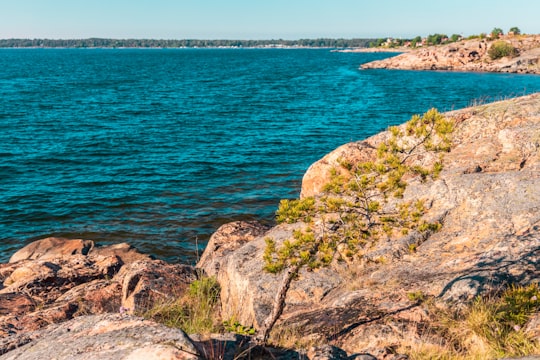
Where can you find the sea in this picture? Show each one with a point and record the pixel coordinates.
(159, 147)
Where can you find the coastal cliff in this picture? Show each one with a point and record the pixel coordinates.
(74, 297)
(469, 55)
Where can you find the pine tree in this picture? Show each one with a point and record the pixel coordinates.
(360, 207)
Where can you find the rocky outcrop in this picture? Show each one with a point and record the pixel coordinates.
(247, 291)
(488, 200)
(469, 55)
(67, 299)
(54, 280)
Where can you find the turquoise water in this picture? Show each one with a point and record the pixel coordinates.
(160, 147)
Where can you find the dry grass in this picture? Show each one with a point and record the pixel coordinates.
(489, 327)
(195, 312)
(293, 338)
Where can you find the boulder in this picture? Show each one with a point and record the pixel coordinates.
(327, 352)
(46, 280)
(248, 292)
(225, 240)
(103, 337)
(51, 248)
(145, 283)
(124, 251)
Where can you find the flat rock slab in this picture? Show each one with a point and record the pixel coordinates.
(103, 337)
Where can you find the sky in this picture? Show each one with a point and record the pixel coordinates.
(261, 19)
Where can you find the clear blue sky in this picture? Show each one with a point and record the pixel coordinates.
(261, 19)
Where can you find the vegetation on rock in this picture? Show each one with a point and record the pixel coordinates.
(195, 312)
(496, 32)
(501, 49)
(491, 326)
(514, 30)
(362, 203)
(438, 39)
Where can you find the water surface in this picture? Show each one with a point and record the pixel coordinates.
(159, 147)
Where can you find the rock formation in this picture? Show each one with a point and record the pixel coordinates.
(488, 200)
(54, 280)
(468, 55)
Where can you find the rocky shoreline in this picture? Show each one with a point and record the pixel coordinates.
(70, 298)
(468, 55)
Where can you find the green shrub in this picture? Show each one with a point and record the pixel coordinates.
(500, 49)
(496, 32)
(234, 326)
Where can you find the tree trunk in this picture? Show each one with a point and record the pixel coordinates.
(279, 302)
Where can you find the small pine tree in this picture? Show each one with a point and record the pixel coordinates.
(355, 209)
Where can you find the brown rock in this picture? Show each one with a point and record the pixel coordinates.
(51, 248)
(15, 304)
(327, 352)
(145, 282)
(226, 239)
(46, 280)
(124, 251)
(94, 297)
(54, 288)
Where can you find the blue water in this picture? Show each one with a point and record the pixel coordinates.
(160, 147)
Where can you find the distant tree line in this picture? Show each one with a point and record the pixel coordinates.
(186, 43)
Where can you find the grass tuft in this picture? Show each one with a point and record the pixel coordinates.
(195, 312)
(489, 327)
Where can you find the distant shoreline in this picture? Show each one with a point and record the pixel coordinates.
(175, 48)
(374, 50)
(184, 43)
(473, 55)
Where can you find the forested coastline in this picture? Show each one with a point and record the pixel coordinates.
(185, 43)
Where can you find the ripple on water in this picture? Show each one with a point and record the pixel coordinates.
(159, 148)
